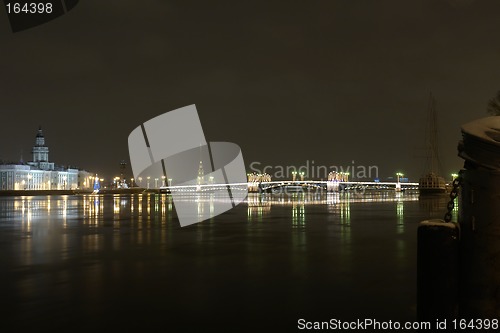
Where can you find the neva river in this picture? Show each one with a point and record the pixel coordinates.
(122, 262)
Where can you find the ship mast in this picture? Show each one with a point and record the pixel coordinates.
(432, 138)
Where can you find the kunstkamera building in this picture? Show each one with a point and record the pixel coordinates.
(41, 174)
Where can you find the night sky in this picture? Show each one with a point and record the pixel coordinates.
(329, 81)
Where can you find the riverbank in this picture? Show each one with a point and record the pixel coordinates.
(10, 193)
(134, 190)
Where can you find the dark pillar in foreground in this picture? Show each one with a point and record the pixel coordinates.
(480, 220)
(437, 270)
(480, 245)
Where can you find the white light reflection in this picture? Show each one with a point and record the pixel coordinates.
(400, 215)
(298, 211)
(65, 212)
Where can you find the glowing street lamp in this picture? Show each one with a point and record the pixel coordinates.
(454, 176)
(399, 175)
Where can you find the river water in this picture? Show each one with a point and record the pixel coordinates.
(122, 262)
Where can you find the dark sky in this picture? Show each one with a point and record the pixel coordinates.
(329, 81)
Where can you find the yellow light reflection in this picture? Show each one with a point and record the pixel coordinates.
(116, 205)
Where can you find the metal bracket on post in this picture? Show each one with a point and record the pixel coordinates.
(453, 195)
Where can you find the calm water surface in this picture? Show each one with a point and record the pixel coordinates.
(122, 262)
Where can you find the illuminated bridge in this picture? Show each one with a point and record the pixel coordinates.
(296, 186)
(330, 186)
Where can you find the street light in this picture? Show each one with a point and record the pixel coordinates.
(399, 175)
(454, 176)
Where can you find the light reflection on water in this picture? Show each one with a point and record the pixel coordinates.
(93, 207)
(143, 211)
(86, 249)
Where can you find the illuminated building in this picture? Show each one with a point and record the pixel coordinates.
(41, 174)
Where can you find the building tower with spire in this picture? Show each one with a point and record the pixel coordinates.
(201, 174)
